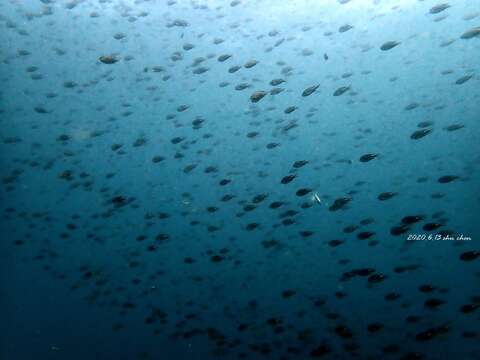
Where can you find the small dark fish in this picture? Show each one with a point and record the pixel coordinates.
(471, 33)
(276, 82)
(420, 134)
(376, 278)
(428, 334)
(470, 255)
(40, 109)
(323, 349)
(200, 70)
(447, 178)
(249, 64)
(425, 124)
(224, 57)
(252, 226)
(178, 22)
(434, 303)
(272, 145)
(216, 258)
(339, 204)
(439, 8)
(182, 108)
(257, 96)
(276, 204)
(350, 228)
(341, 90)
(431, 226)
(454, 127)
(108, 59)
(119, 200)
(288, 293)
(310, 90)
(290, 109)
(374, 327)
(386, 195)
(234, 69)
(399, 230)
(259, 198)
(365, 235)
(463, 79)
(242, 86)
(335, 243)
(303, 191)
(345, 28)
(306, 233)
(287, 179)
(367, 221)
(364, 271)
(389, 45)
(227, 197)
(325, 56)
(412, 106)
(425, 335)
(343, 332)
(276, 91)
(367, 157)
(156, 159)
(469, 308)
(392, 296)
(426, 288)
(299, 163)
(177, 140)
(412, 219)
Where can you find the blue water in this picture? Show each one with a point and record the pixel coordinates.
(240, 180)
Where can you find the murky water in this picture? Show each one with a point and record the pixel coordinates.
(240, 179)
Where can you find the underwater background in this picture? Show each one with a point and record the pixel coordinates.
(246, 179)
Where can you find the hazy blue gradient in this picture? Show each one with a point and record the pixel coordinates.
(54, 231)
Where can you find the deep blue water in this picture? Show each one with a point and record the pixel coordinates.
(240, 179)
